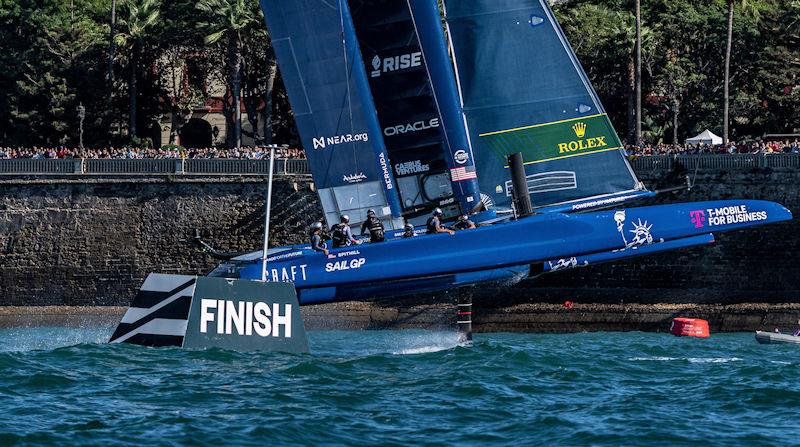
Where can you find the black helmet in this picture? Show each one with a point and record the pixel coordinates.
(316, 226)
(437, 212)
(345, 218)
(370, 213)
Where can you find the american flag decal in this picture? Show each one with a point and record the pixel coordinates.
(463, 173)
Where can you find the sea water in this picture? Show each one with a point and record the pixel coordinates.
(64, 386)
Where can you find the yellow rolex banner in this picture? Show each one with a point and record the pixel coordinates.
(556, 140)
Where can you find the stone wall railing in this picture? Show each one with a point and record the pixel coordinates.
(221, 166)
(190, 166)
(715, 161)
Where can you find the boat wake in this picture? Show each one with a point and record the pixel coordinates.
(21, 339)
(427, 343)
(686, 359)
(425, 349)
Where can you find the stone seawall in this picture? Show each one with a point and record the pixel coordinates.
(91, 242)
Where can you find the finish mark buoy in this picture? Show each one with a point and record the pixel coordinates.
(689, 327)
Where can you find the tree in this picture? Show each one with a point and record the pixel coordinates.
(138, 16)
(259, 72)
(231, 20)
(638, 88)
(47, 51)
(184, 64)
(748, 6)
(678, 73)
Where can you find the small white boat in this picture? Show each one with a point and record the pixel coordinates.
(775, 337)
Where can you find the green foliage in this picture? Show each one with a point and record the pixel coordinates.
(173, 147)
(683, 62)
(137, 17)
(55, 55)
(144, 142)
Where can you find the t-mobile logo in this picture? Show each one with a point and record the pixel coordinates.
(698, 217)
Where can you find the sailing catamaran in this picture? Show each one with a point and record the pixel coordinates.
(399, 115)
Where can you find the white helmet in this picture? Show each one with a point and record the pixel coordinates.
(316, 226)
(437, 212)
(345, 218)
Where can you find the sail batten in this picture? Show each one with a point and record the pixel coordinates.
(321, 66)
(523, 90)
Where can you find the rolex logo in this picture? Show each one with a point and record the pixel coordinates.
(580, 129)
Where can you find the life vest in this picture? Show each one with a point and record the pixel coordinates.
(461, 225)
(431, 224)
(338, 237)
(375, 228)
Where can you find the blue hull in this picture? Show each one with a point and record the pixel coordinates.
(498, 252)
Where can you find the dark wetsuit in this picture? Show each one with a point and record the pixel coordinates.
(375, 228)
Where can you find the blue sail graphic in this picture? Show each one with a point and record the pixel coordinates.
(523, 90)
(321, 66)
(459, 155)
(406, 58)
(404, 103)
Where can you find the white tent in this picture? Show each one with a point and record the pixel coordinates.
(705, 137)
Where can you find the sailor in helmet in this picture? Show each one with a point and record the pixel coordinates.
(463, 223)
(374, 226)
(434, 223)
(341, 236)
(317, 240)
(408, 230)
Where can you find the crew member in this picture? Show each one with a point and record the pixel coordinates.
(341, 236)
(435, 223)
(408, 230)
(463, 223)
(317, 242)
(374, 226)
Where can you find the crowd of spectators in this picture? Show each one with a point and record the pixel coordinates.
(246, 152)
(261, 152)
(758, 147)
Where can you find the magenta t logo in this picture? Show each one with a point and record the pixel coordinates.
(698, 217)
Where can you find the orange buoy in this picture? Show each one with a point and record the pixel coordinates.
(689, 327)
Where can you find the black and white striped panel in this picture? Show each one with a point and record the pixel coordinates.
(160, 312)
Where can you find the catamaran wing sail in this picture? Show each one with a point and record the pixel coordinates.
(321, 65)
(403, 101)
(523, 90)
(416, 129)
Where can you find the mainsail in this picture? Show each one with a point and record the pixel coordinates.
(403, 102)
(321, 66)
(408, 95)
(523, 90)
